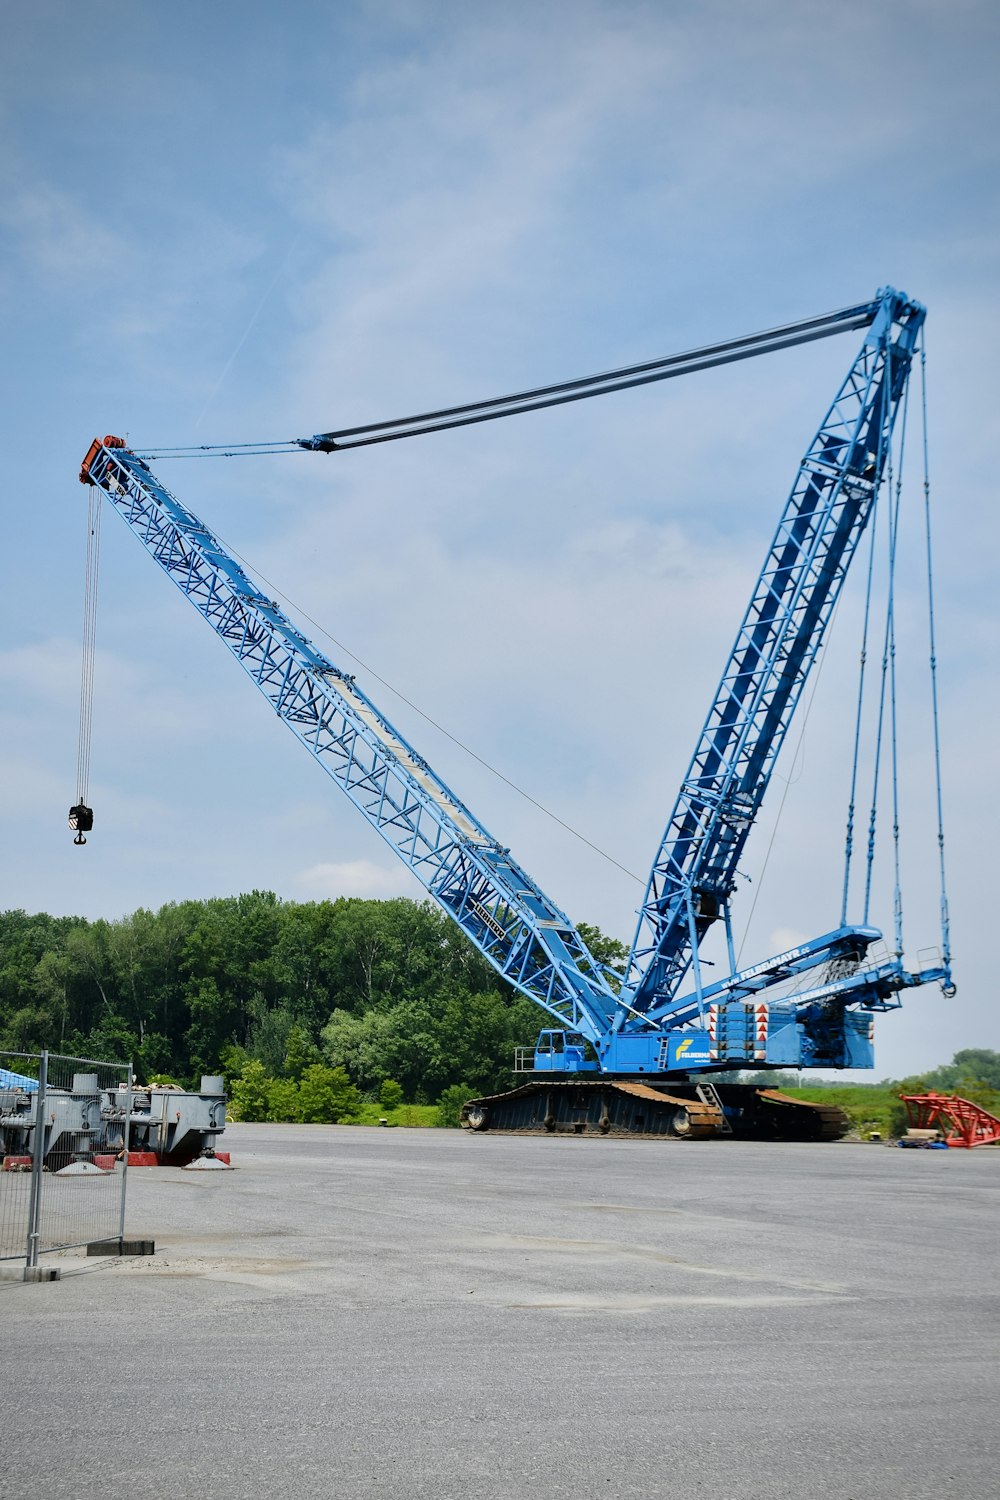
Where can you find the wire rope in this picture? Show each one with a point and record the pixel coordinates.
(852, 800)
(887, 640)
(467, 749)
(91, 575)
(789, 781)
(945, 923)
(626, 377)
(897, 895)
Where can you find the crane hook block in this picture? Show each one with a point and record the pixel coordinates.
(93, 451)
(81, 821)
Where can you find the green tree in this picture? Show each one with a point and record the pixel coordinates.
(154, 1055)
(607, 950)
(214, 1015)
(270, 1028)
(109, 1041)
(284, 1101)
(327, 1096)
(981, 1062)
(363, 1045)
(250, 1097)
(451, 1101)
(232, 1061)
(300, 1053)
(30, 1028)
(50, 985)
(390, 1094)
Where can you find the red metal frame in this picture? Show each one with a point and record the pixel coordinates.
(961, 1122)
(93, 451)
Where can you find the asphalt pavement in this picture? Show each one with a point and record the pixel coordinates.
(407, 1314)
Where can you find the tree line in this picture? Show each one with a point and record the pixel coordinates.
(383, 990)
(329, 1010)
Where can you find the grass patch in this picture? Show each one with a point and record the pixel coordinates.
(871, 1108)
(878, 1107)
(414, 1116)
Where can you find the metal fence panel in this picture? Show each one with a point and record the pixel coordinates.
(65, 1164)
(18, 1090)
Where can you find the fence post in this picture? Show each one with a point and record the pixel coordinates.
(130, 1080)
(37, 1161)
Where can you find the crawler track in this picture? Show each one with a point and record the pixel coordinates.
(621, 1107)
(769, 1115)
(611, 1107)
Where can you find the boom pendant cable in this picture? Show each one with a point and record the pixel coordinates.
(887, 698)
(434, 723)
(81, 817)
(948, 989)
(897, 900)
(852, 800)
(880, 724)
(805, 331)
(789, 781)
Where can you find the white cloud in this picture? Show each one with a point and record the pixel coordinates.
(44, 670)
(781, 939)
(59, 239)
(356, 877)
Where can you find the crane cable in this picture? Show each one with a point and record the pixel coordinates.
(888, 672)
(626, 377)
(81, 818)
(897, 885)
(948, 988)
(467, 749)
(887, 691)
(767, 341)
(887, 688)
(852, 799)
(790, 780)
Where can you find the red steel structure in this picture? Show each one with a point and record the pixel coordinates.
(961, 1122)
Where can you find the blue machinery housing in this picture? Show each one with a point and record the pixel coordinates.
(659, 1018)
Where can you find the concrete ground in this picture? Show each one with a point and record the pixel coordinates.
(405, 1314)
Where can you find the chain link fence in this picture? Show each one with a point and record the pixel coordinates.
(63, 1142)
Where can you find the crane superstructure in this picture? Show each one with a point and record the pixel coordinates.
(657, 1019)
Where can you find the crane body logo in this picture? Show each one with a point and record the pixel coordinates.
(692, 1048)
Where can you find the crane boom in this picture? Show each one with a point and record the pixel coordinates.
(694, 871)
(523, 934)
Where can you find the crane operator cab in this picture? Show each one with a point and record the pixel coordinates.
(562, 1052)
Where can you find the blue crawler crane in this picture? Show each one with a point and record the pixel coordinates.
(632, 1051)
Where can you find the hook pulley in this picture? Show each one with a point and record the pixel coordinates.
(81, 821)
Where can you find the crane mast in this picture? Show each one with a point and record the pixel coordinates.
(639, 1022)
(694, 871)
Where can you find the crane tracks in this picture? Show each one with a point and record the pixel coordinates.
(609, 1107)
(781, 1117)
(621, 1107)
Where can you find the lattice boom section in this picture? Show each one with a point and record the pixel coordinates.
(775, 648)
(527, 939)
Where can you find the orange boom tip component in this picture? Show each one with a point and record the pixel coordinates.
(93, 451)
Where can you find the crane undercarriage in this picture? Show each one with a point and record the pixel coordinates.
(681, 1110)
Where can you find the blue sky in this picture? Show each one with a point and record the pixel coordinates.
(235, 222)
